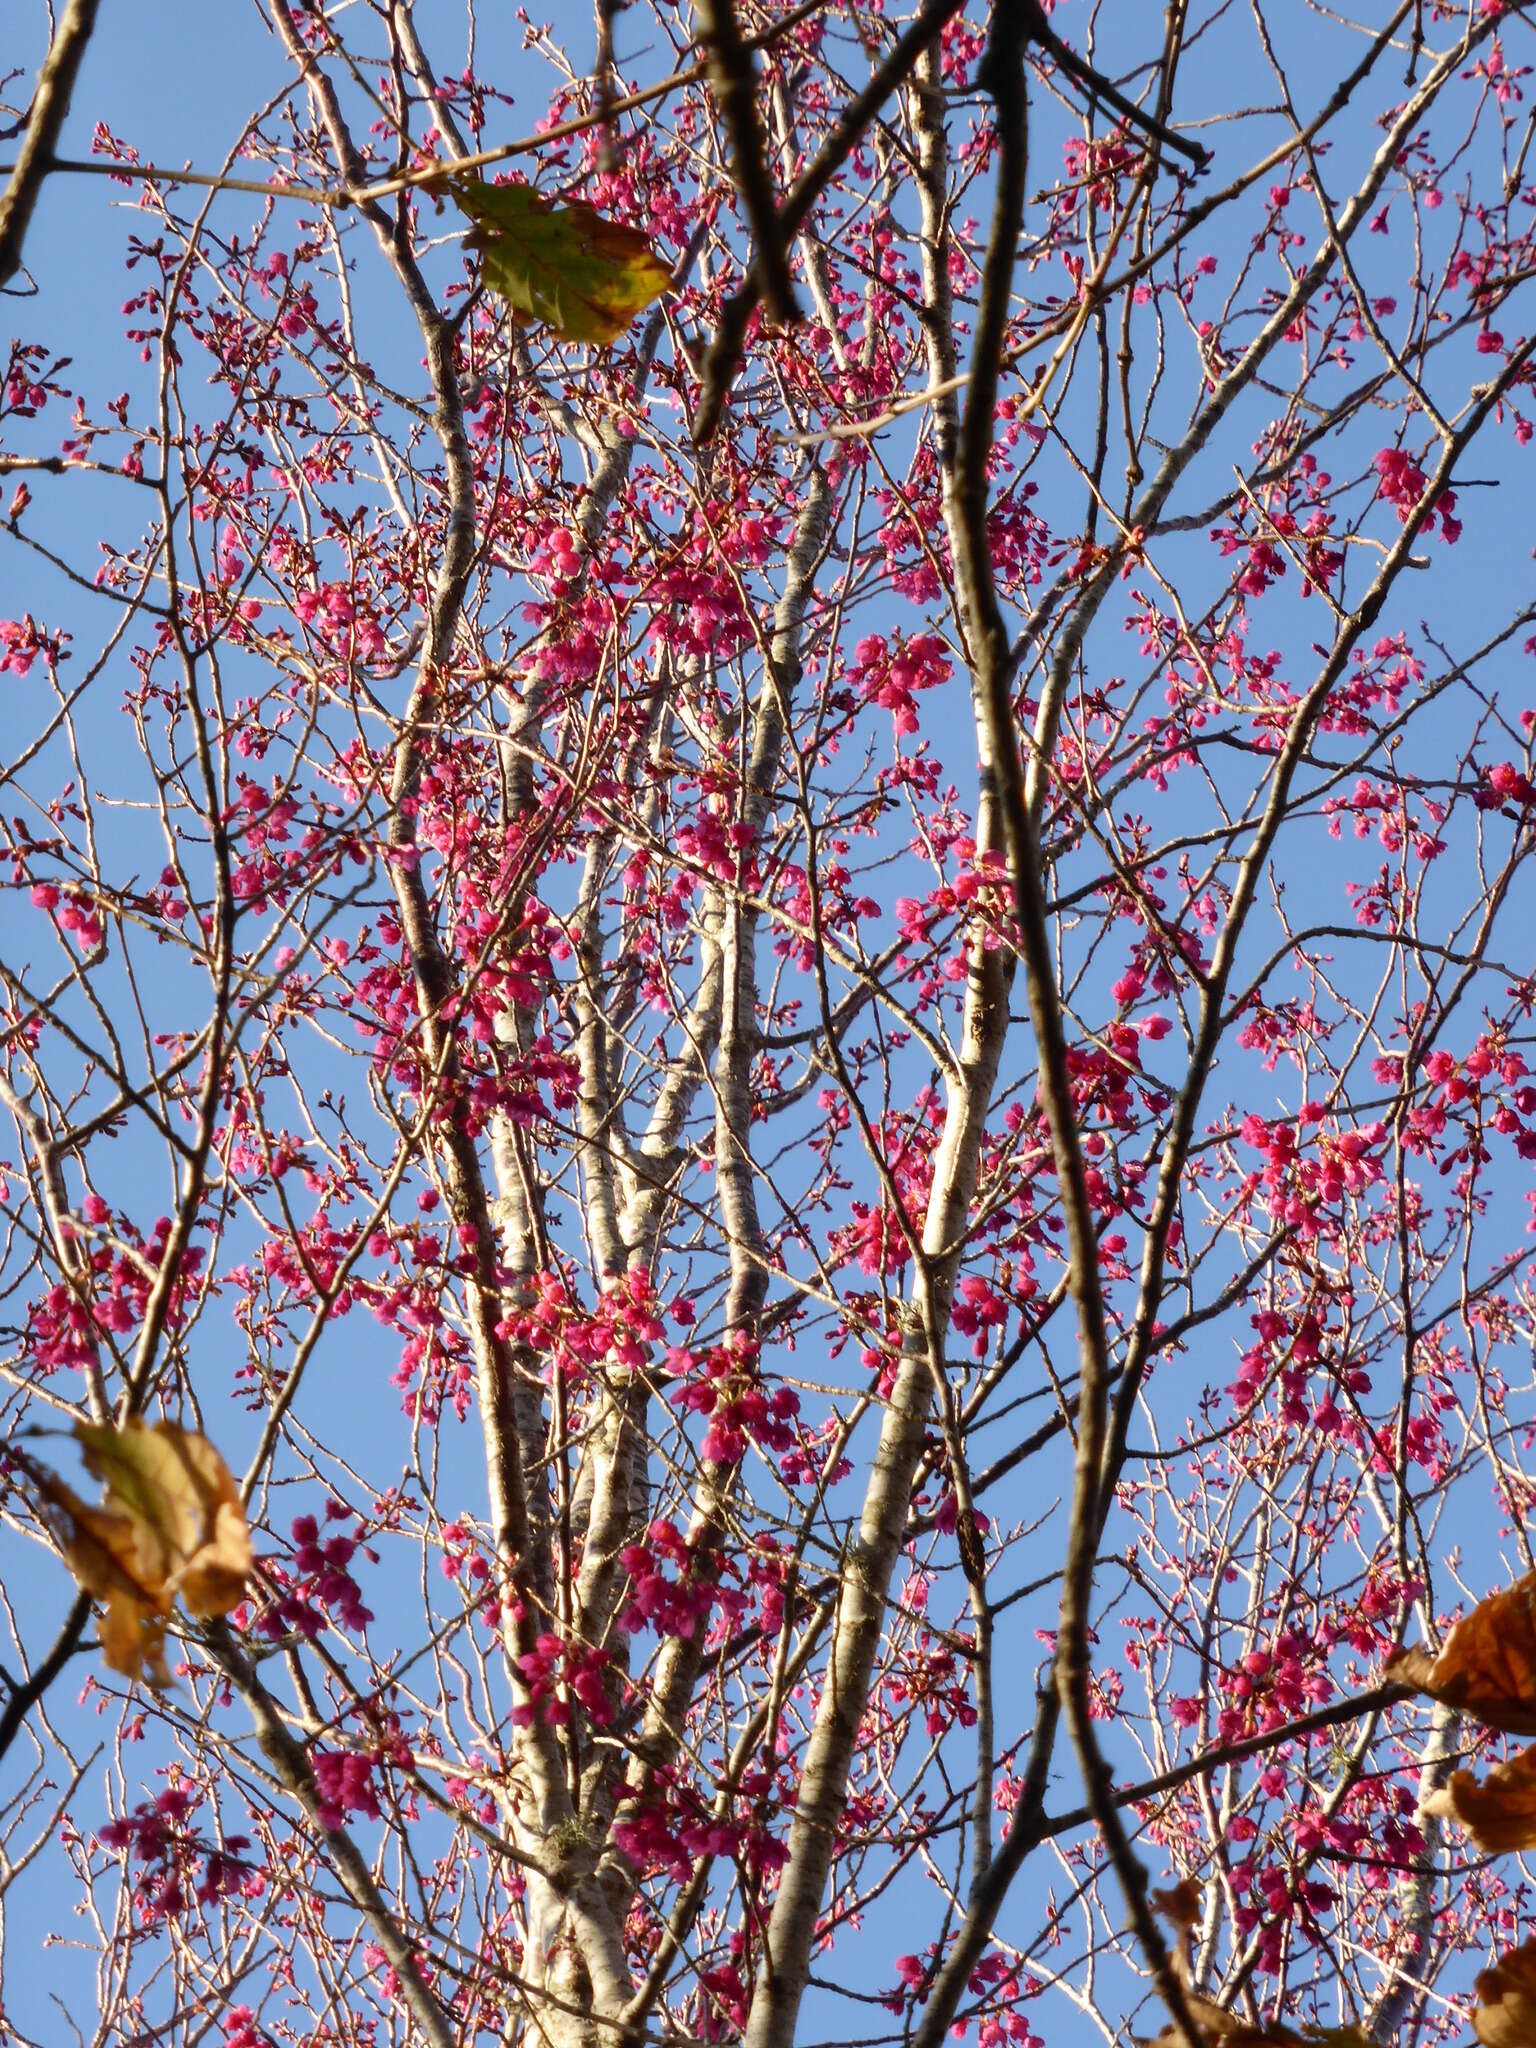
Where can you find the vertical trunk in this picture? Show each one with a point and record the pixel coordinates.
(860, 1617)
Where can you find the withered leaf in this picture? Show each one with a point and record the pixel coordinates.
(178, 1487)
(101, 1548)
(1488, 1665)
(1500, 1812)
(566, 266)
(1215, 2024)
(170, 1523)
(1181, 1905)
(1506, 1992)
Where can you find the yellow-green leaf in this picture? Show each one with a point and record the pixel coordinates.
(566, 266)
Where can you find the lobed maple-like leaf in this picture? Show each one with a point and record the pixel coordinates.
(566, 266)
(1500, 1812)
(171, 1524)
(1488, 1665)
(1506, 1992)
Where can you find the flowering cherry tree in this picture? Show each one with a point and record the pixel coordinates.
(801, 1008)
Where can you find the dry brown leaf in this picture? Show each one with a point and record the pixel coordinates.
(102, 1549)
(171, 1523)
(1488, 1665)
(1214, 2023)
(1499, 1813)
(1506, 1991)
(177, 1485)
(1181, 1905)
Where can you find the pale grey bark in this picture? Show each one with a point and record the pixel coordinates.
(627, 1190)
(589, 1976)
(860, 1617)
(1402, 1997)
(861, 1609)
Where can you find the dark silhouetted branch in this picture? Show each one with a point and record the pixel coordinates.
(50, 103)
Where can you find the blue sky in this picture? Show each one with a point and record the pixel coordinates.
(178, 80)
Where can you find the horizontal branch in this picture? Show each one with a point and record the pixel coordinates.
(1209, 1760)
(341, 197)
